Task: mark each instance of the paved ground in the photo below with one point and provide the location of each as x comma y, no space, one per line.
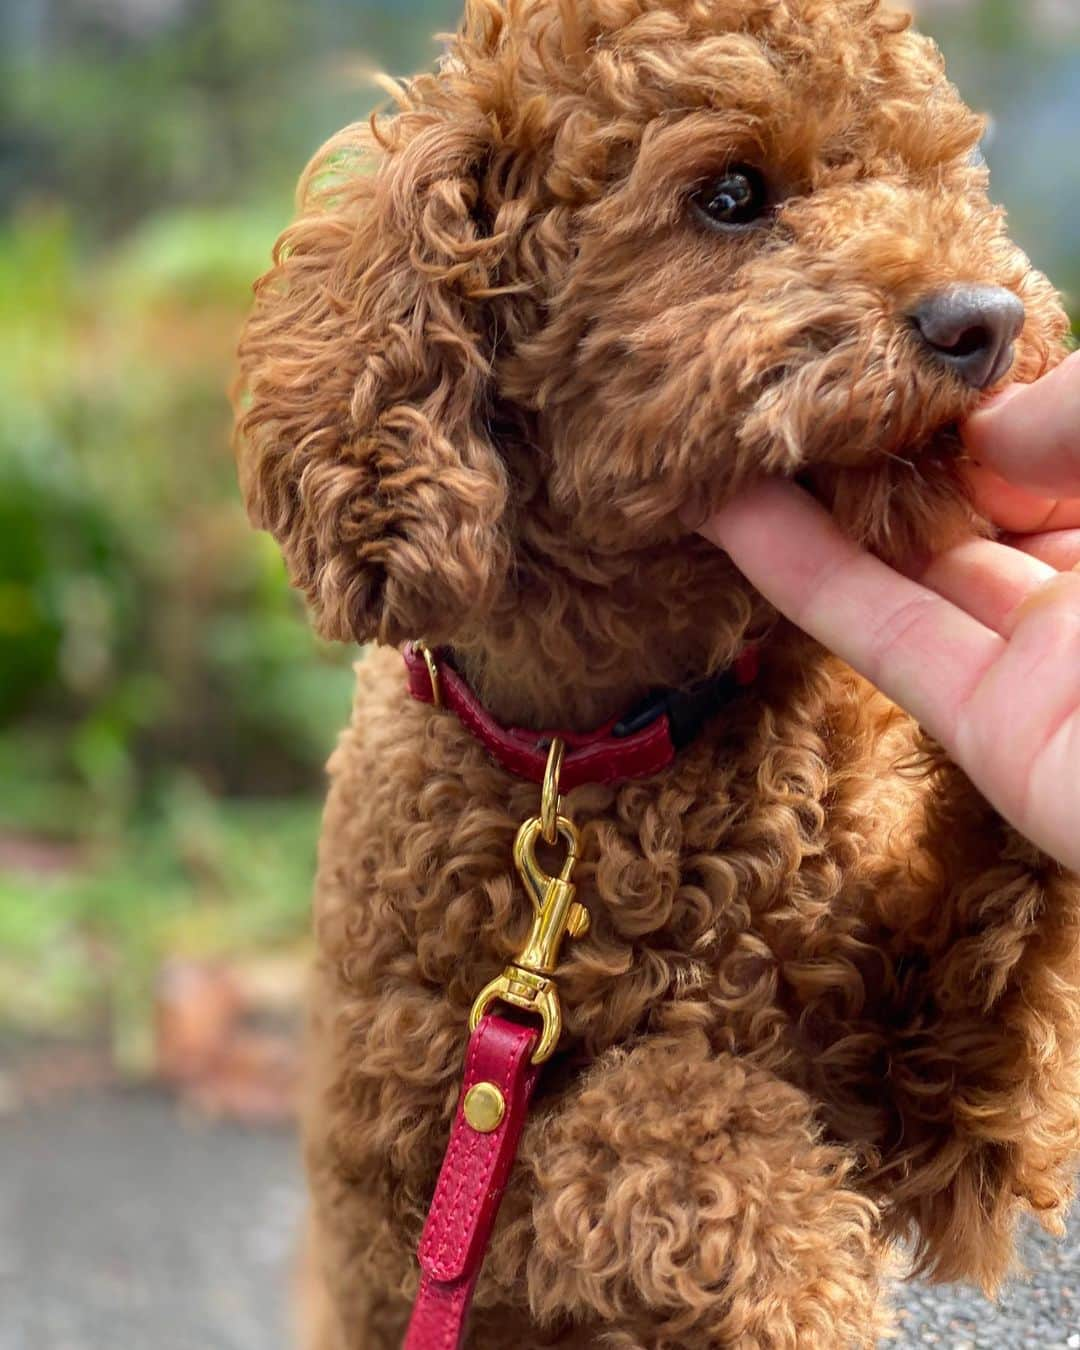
125,1227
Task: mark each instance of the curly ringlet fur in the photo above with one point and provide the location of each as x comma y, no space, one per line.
828,997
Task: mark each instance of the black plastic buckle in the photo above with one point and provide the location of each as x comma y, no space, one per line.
687,710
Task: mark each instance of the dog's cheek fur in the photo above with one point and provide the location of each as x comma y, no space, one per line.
364,380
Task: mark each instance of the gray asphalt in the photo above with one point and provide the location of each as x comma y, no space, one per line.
126,1226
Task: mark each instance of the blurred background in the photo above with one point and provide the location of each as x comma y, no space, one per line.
164,712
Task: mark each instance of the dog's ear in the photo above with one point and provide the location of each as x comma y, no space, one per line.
364,387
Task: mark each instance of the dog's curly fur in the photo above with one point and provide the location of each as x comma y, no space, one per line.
829,998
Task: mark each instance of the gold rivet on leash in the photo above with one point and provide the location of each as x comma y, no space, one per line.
550,801
485,1107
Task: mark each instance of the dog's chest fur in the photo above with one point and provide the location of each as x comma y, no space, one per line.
723,896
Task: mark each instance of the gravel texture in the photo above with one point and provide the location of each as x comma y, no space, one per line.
1040,1310
126,1226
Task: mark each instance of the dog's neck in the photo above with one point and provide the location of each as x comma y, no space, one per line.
580,636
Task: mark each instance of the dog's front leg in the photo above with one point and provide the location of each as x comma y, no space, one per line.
686,1199
968,1077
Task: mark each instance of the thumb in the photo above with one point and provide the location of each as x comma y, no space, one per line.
1030,434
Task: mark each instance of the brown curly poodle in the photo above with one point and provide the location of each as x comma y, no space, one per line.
616,256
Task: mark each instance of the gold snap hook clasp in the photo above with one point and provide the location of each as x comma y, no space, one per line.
527,982
553,897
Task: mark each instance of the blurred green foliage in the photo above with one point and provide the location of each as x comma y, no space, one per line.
143,629
125,108
153,662
164,710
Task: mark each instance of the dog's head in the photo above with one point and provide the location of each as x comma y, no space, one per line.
614,257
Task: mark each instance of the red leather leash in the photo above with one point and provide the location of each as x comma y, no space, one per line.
499,1073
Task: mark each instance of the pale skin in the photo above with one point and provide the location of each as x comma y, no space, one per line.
981,644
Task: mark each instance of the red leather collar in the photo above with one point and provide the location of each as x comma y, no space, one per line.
637,745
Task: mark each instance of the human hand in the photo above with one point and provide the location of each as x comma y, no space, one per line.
983,647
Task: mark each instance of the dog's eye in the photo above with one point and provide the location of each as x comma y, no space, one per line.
738,197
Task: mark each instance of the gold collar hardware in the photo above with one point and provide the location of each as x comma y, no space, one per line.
526,983
433,673
550,800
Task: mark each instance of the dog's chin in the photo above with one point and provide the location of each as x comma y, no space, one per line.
902,507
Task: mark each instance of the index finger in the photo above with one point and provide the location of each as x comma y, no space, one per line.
920,649
1031,434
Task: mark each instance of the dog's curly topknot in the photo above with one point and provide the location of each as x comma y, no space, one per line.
501,360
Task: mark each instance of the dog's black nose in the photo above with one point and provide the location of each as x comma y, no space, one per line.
971,329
